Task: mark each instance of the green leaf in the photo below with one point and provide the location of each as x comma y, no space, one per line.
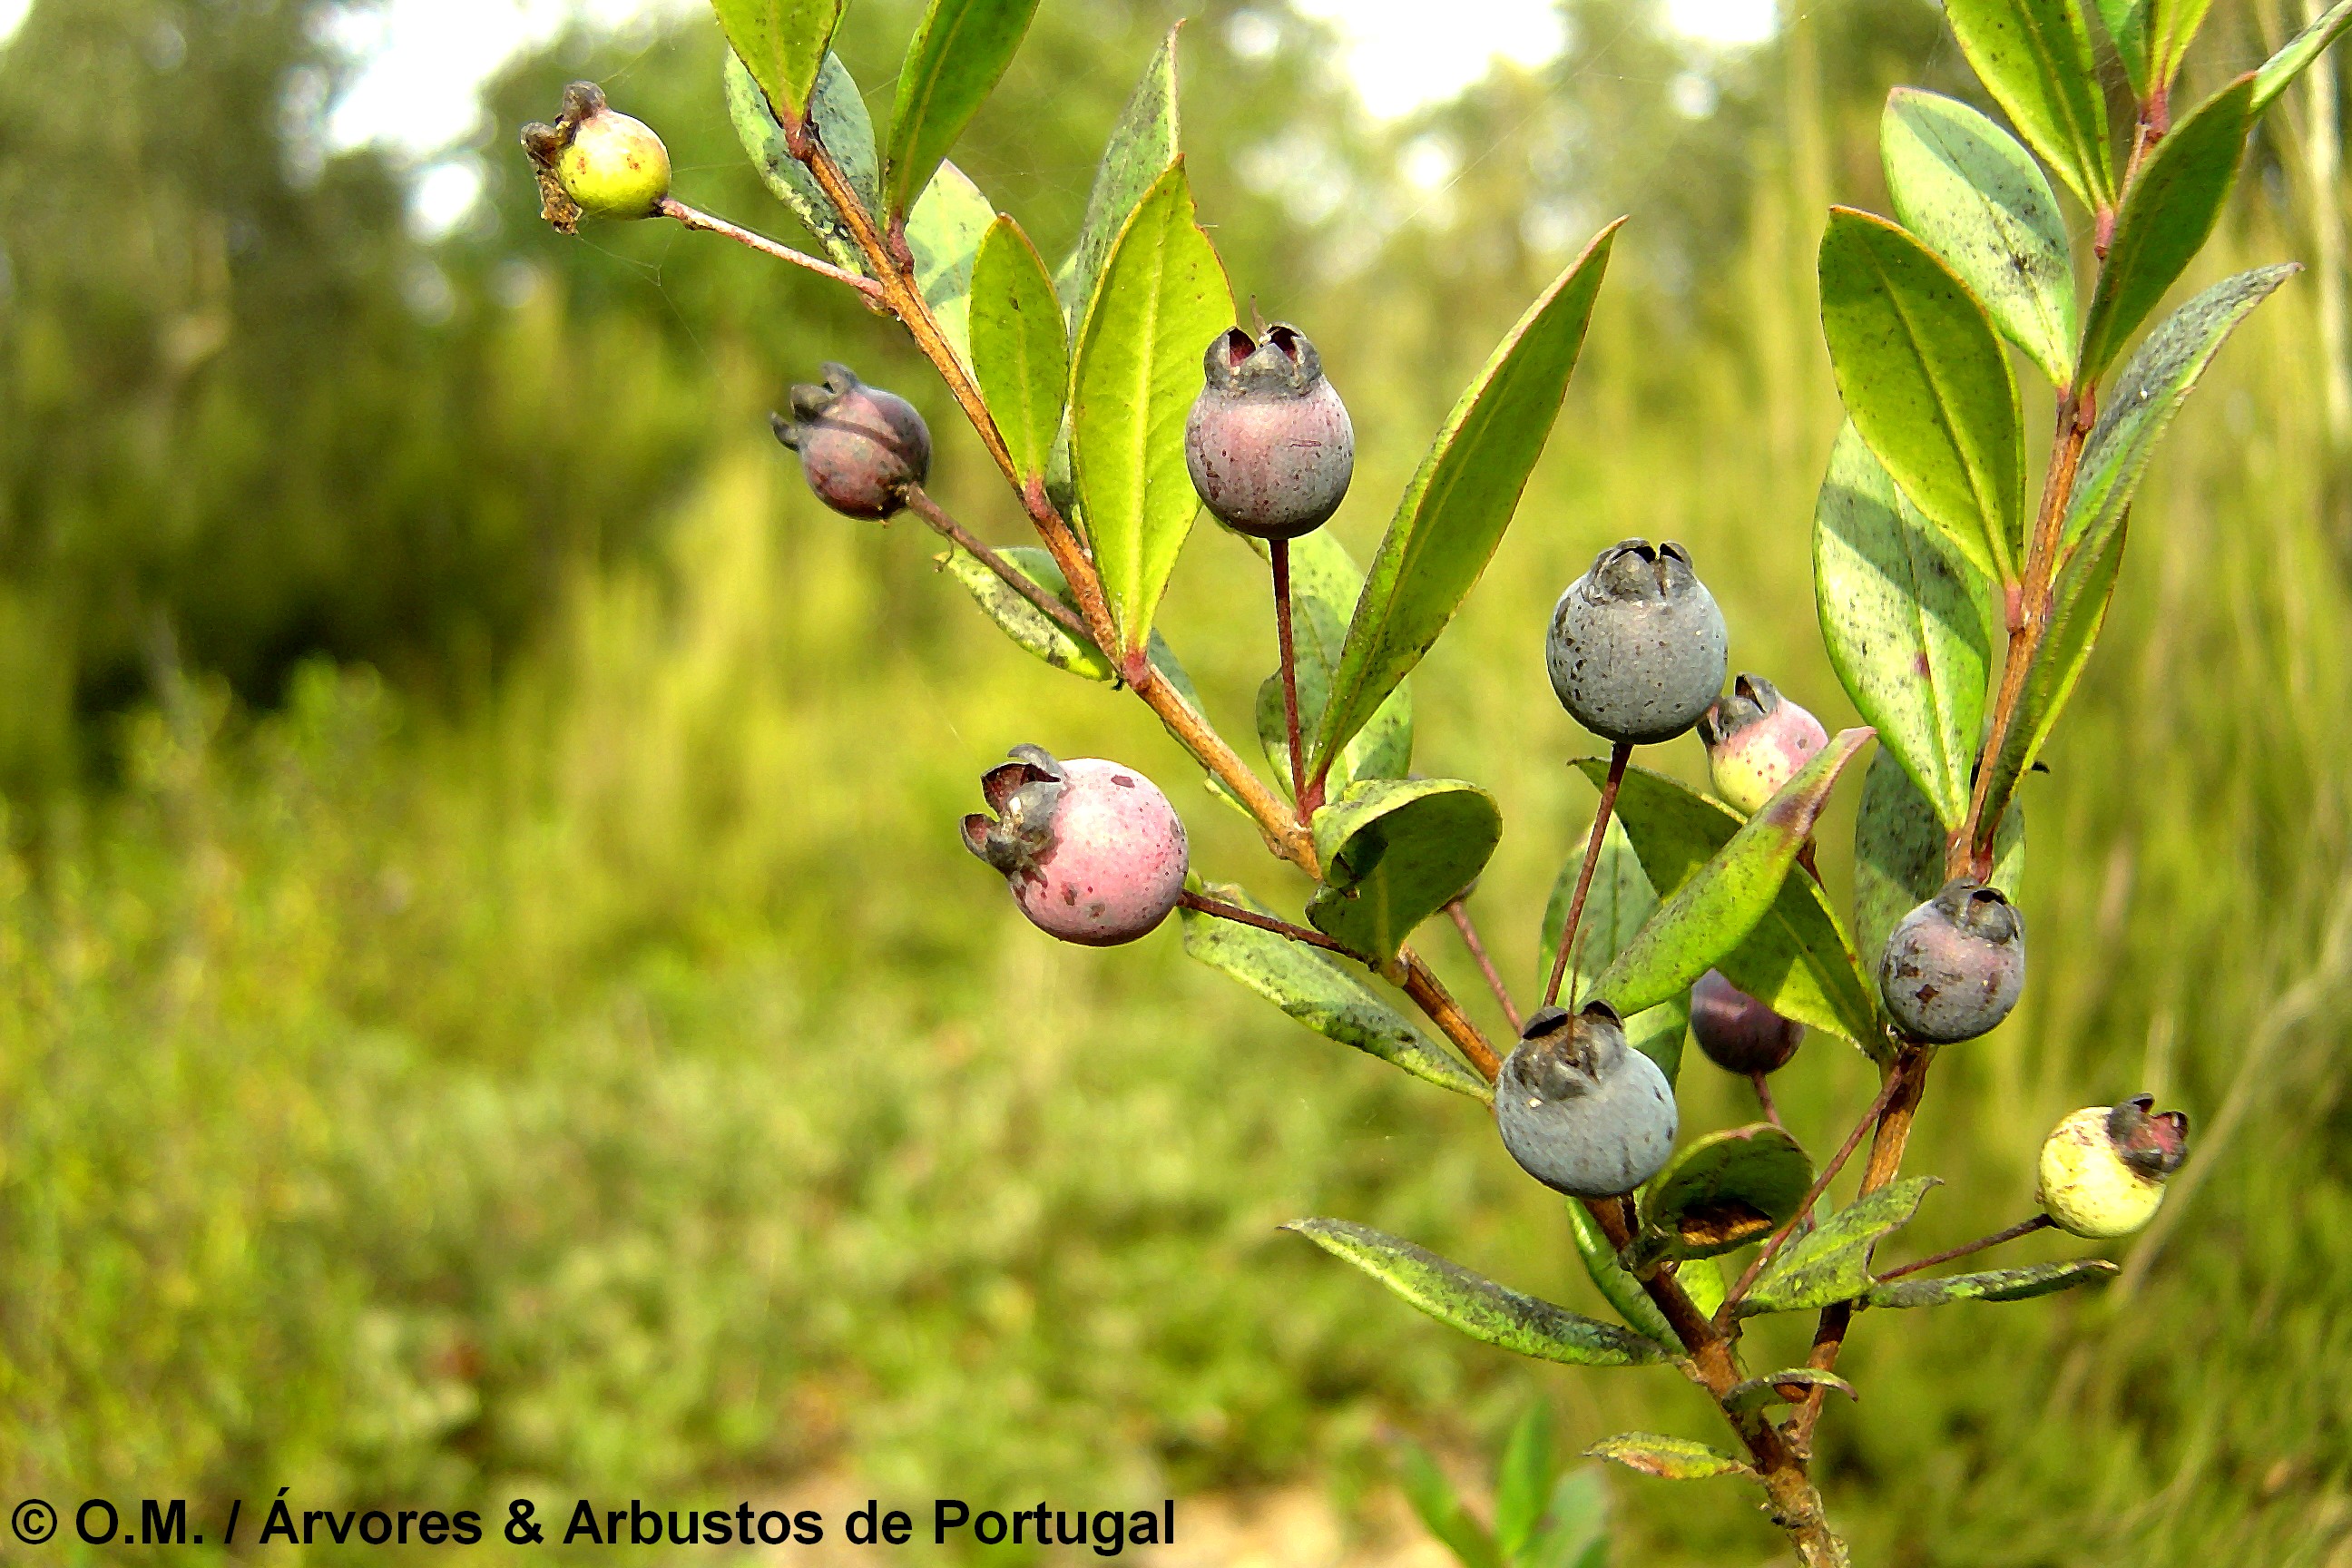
1773,1388
1831,1264
1324,583
1441,1511
2087,584
1926,382
1978,200
1898,853
1998,1285
782,44
1709,915
1669,1458
1318,993
1143,146
1523,1482
1576,1525
1023,621
959,50
1723,1191
1797,961
1163,297
944,231
2148,394
1395,851
1615,1282
1907,622
1019,355
2166,217
2034,57
2127,24
839,111
2172,26
1454,512
1619,900
1477,1307
2295,57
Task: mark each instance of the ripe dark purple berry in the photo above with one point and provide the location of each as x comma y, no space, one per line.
1092,850
595,162
860,446
1738,1033
1956,964
1637,645
1268,440
1579,1109
1756,741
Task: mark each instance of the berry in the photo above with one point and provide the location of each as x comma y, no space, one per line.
1637,645
860,446
1579,1109
2102,1169
1756,740
1268,440
1092,850
1738,1033
594,162
1955,965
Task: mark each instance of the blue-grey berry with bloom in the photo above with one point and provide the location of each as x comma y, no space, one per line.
1956,965
1579,1109
1637,647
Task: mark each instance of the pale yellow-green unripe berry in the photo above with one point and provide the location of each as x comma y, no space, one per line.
2103,1168
594,163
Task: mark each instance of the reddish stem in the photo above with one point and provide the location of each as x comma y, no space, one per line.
1278,550
1621,755
1462,924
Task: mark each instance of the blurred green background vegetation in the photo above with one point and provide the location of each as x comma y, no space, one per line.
491,1001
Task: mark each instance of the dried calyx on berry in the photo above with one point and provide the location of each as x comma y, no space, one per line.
1637,647
1756,741
859,446
1579,1109
1092,850
1738,1033
1268,442
595,161
1956,965
2102,1169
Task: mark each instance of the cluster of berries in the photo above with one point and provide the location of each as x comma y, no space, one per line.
1637,651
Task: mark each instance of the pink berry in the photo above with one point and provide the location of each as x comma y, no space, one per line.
1092,850
1756,741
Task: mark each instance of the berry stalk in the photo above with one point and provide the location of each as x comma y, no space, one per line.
1286,638
1619,756
2022,1227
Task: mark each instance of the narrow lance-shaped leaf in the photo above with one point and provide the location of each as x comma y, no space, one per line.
1797,961
2127,24
1668,1458
2166,217
1708,916
1786,1386
1898,853
1021,620
839,112
2085,586
1163,297
1019,355
1926,382
1441,1511
944,232
1470,1304
1615,1283
1143,146
1523,1482
1724,1190
2148,394
1618,902
959,50
1909,623
2295,57
782,43
2034,56
1394,852
1978,200
1454,512
1318,993
2171,26
1998,1285
1832,1263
